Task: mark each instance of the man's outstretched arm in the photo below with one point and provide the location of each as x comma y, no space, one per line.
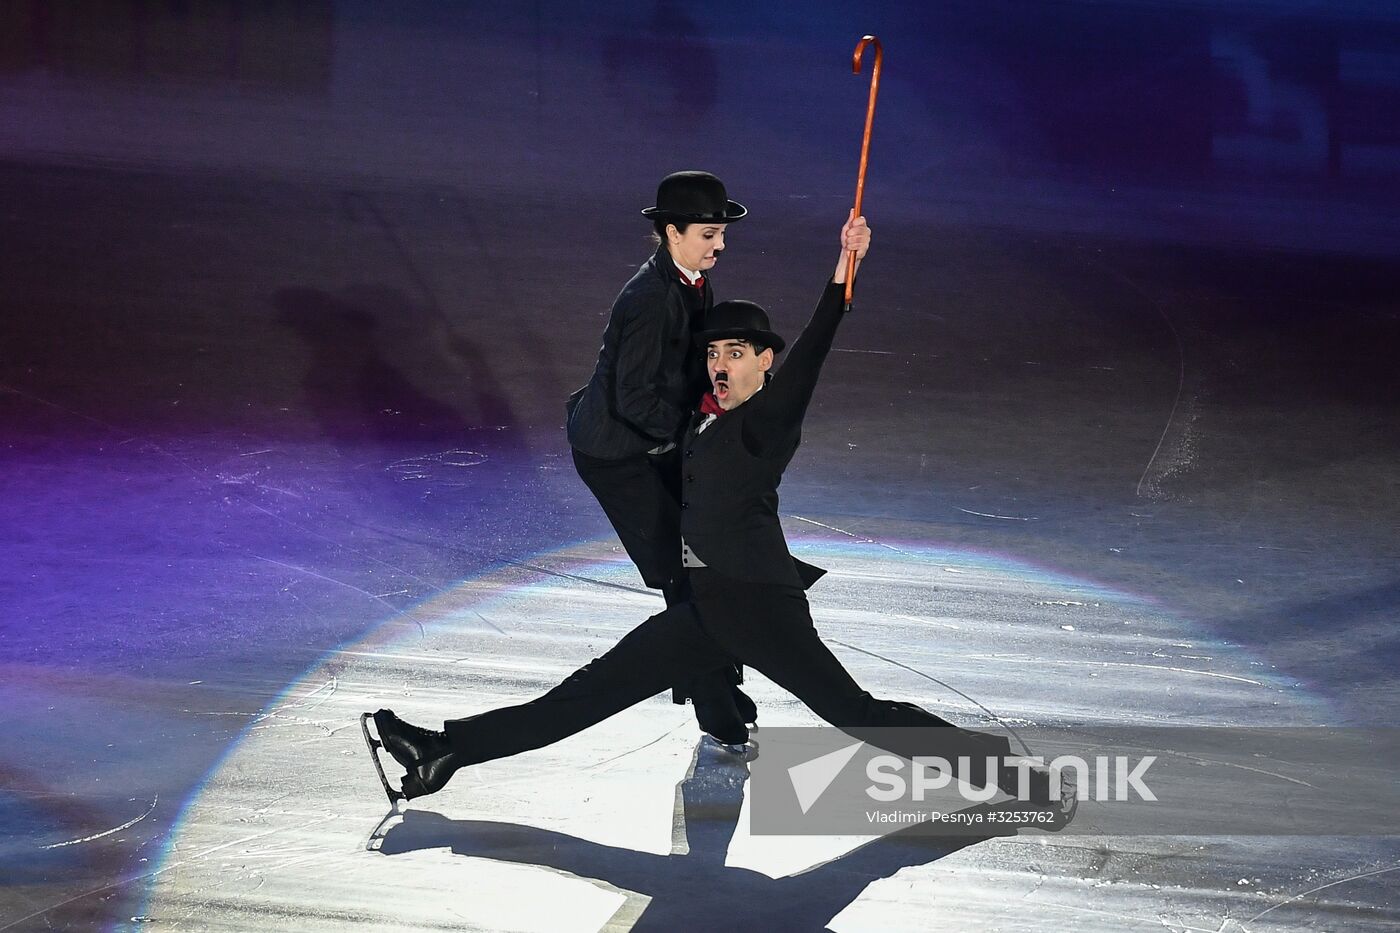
779,421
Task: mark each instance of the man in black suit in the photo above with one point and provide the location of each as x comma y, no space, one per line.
626,423
748,603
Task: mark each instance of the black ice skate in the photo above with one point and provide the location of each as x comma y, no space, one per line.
748,710
719,718
1041,794
426,755
375,745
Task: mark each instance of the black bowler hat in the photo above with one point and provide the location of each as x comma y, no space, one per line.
739,320
697,197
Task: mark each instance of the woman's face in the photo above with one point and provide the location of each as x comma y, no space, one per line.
698,248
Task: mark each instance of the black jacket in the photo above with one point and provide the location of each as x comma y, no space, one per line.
649,375
731,471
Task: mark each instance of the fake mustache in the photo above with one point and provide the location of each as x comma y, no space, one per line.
721,376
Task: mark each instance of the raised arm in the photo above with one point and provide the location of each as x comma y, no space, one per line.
778,421
855,235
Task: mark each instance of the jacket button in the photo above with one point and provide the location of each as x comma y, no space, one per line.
685,505
690,453
690,477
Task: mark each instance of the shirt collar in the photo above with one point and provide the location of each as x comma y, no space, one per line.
664,255
711,417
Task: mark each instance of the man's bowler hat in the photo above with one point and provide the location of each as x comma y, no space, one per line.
739,320
696,197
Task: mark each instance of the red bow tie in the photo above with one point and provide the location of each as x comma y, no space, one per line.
709,405
698,284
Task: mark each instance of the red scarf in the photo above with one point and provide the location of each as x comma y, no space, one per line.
709,405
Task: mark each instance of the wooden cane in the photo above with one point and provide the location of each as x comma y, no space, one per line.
864,143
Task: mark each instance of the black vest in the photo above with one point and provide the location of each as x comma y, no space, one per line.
730,473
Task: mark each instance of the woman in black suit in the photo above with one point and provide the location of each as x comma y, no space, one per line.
624,425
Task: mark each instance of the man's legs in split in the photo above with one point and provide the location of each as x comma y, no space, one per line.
770,629
641,497
666,648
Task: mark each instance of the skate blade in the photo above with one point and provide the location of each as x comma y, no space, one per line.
375,746
748,751
1062,811
1068,805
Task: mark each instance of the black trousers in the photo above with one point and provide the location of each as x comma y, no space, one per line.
641,497
767,627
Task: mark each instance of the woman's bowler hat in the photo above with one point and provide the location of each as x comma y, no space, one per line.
696,197
739,320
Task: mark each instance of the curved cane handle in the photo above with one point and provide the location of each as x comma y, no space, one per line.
865,140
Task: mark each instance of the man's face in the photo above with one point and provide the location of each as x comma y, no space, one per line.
736,372
698,248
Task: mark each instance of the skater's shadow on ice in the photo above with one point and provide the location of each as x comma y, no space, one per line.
686,888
